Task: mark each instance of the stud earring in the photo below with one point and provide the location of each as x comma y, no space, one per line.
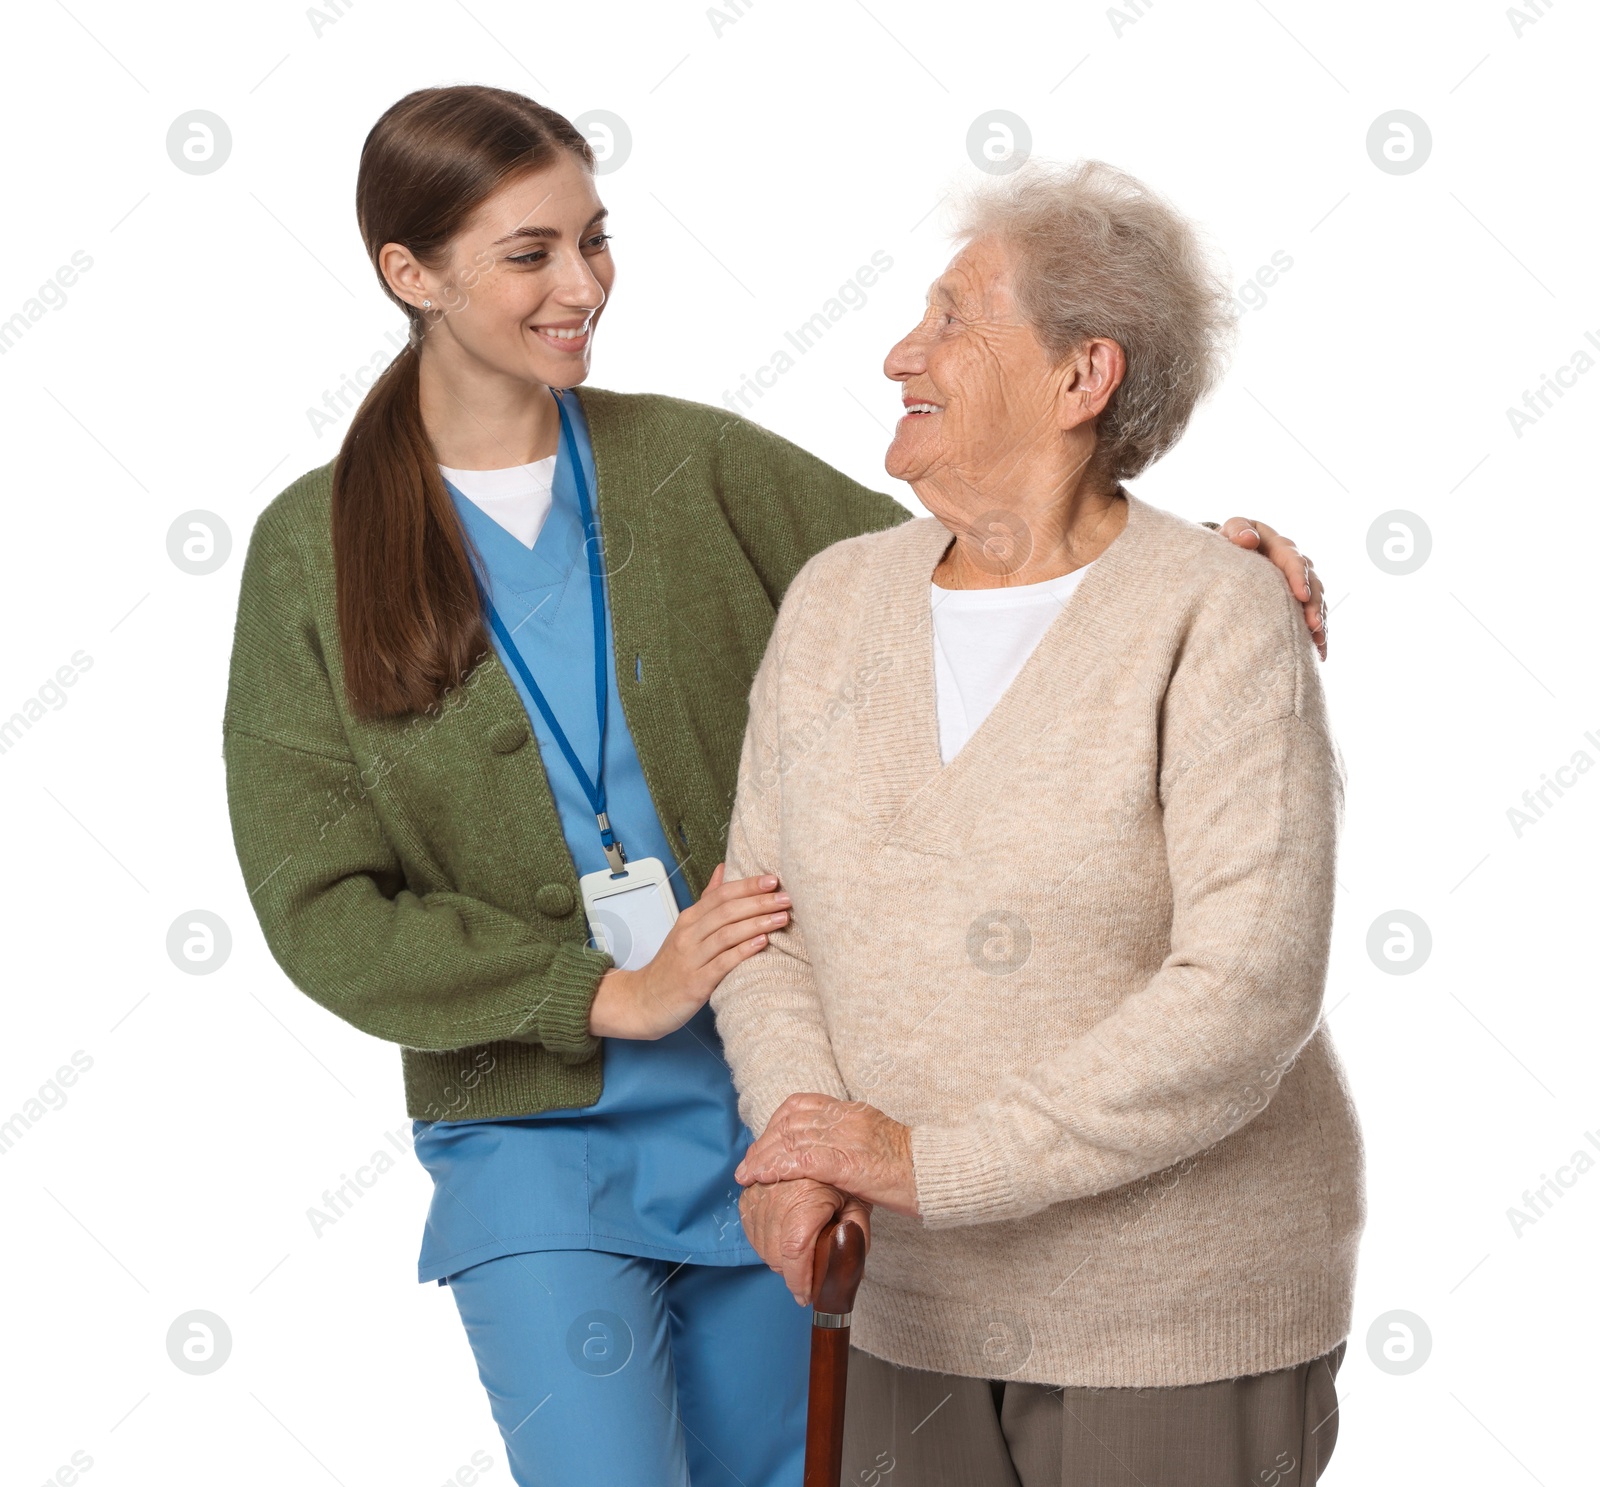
427,304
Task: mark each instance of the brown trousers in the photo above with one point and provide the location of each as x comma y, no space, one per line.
908,1428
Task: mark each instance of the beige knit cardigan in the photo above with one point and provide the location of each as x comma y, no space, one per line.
1084,961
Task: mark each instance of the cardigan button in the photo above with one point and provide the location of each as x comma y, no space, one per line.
508,737
554,899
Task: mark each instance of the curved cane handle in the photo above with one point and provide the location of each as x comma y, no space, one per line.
836,1267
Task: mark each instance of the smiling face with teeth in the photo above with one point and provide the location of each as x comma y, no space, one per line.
992,420
525,282
977,385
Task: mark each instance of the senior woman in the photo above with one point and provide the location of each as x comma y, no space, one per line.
1050,782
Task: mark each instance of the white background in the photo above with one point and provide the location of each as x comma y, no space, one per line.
772,153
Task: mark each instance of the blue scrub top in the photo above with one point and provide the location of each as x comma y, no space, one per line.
648,1169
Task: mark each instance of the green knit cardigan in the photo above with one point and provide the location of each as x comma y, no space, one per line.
410,874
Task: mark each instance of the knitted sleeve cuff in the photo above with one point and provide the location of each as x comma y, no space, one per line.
961,1177
559,1018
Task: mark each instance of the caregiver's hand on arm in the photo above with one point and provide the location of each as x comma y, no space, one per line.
782,1221
848,1144
1257,536
729,923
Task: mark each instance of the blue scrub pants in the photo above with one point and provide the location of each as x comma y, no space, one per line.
620,1371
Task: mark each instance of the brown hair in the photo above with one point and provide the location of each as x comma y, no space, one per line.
410,624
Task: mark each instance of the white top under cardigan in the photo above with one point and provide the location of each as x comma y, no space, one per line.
981,640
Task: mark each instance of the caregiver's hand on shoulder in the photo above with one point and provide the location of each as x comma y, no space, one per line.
728,924
846,1143
782,1221
1295,566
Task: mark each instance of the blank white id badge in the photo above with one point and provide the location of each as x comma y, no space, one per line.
629,913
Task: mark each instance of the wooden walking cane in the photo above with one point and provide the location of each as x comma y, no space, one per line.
835,1274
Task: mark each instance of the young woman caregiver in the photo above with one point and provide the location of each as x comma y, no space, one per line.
491,664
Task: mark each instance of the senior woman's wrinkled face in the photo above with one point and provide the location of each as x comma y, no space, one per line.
979,388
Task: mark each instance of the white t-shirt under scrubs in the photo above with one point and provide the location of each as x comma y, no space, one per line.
517,497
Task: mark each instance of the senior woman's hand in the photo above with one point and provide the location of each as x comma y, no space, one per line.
847,1144
1295,566
782,1221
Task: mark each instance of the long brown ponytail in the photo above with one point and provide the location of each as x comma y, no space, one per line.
409,622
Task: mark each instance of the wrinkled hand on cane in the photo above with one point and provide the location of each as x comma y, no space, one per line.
837,1264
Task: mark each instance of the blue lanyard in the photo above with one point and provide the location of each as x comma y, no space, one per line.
594,788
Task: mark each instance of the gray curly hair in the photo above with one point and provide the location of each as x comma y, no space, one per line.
1099,254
